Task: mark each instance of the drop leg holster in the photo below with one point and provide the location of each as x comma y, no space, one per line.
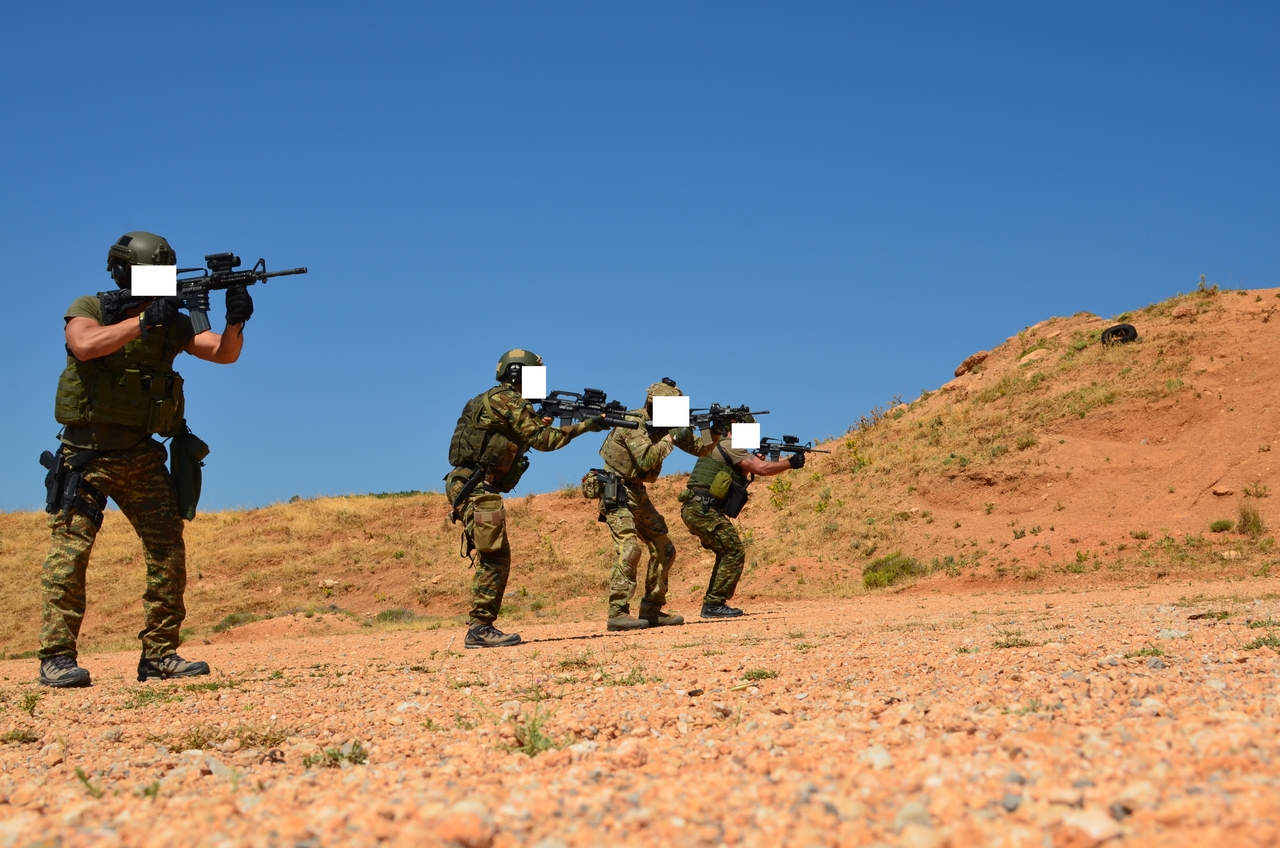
65,486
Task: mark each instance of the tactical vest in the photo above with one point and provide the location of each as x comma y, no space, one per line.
618,456
475,441
135,387
705,469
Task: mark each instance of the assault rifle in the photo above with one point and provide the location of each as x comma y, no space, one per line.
718,417
193,292
772,449
590,403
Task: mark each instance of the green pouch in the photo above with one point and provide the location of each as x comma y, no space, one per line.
720,484
685,496
591,487
186,454
512,478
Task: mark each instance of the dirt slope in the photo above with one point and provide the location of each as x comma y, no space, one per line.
1055,461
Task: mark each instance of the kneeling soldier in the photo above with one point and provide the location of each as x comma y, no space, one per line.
487,452
716,492
635,457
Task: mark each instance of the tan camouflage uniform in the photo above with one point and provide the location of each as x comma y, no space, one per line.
519,422
638,525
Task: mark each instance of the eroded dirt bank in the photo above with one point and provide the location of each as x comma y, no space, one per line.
892,718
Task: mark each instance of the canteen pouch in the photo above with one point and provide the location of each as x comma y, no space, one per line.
720,485
591,487
514,473
490,522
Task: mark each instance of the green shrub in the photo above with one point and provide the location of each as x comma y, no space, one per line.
1251,523
233,620
890,569
1222,525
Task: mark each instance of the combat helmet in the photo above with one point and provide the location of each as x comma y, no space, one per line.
510,363
137,248
666,388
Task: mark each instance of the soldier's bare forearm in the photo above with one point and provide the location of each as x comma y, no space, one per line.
87,339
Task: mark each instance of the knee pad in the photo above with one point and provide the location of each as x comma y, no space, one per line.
632,552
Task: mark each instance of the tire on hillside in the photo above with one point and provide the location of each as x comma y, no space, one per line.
1119,334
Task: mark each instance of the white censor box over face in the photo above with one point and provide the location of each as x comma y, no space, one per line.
153,280
745,436
533,382
671,412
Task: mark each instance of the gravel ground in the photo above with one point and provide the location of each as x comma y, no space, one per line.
889,719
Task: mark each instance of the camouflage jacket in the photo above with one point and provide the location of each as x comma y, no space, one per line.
513,428
637,455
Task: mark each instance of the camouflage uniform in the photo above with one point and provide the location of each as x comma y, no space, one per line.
130,471
515,419
137,480
718,535
637,458
714,530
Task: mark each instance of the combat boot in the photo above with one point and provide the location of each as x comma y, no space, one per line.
720,611
61,671
657,618
170,666
481,635
624,621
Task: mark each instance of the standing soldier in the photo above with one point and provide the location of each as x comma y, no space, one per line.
487,452
636,456
119,388
716,492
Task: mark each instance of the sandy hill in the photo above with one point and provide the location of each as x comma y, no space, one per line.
1053,459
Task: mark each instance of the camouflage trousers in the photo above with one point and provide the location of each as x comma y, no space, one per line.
635,527
718,535
492,568
138,482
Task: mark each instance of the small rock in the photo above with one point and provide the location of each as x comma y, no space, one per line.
467,823
215,767
510,710
328,584
630,754
23,795
913,812
1034,356
1184,310
1015,777
1170,634
920,836
1223,491
1229,554
230,746
1094,822
409,705
1156,662
877,756
722,709
970,361
1066,797
113,734
51,754
1011,801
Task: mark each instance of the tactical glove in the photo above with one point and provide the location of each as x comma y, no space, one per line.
796,460
595,425
239,305
160,313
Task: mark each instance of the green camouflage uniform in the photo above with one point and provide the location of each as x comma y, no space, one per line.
715,531
636,456
137,480
131,472
517,421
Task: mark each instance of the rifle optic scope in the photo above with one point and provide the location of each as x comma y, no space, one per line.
222,261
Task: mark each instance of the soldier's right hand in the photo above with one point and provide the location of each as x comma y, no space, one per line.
161,313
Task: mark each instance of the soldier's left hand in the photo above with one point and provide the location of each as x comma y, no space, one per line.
239,305
595,425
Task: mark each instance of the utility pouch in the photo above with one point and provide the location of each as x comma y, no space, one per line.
720,484
685,496
490,521
613,492
186,453
65,486
514,473
591,486
735,499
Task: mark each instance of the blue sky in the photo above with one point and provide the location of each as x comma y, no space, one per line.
807,208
